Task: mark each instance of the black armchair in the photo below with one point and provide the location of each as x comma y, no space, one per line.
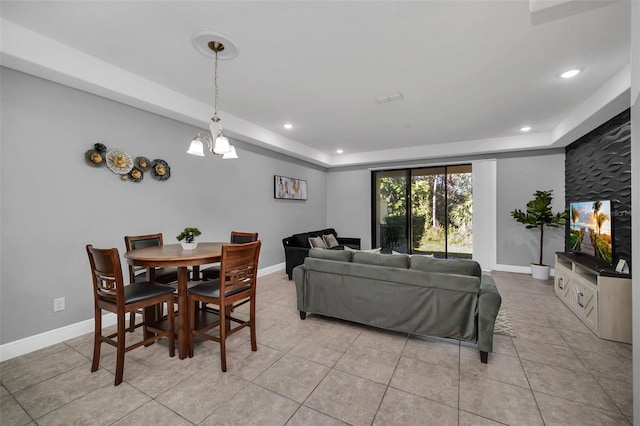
296,247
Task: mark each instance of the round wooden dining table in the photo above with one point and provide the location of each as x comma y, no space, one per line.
174,256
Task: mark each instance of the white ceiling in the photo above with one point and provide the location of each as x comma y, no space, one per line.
471,73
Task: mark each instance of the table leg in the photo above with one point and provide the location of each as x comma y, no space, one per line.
183,312
151,313
196,273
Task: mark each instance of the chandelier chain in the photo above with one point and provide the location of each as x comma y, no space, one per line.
215,86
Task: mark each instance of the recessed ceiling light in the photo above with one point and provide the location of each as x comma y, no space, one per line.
288,126
339,151
525,128
570,73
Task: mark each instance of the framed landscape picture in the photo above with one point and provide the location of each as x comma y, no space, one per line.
287,188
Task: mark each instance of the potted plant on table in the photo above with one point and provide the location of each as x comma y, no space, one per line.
538,215
189,234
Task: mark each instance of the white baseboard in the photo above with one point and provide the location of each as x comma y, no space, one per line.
518,269
52,337
271,269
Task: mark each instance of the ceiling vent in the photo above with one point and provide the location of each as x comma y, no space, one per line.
389,98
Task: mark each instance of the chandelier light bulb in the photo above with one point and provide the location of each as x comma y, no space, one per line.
222,145
196,148
231,154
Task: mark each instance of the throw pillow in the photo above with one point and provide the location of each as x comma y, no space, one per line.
381,259
317,242
330,240
373,250
339,255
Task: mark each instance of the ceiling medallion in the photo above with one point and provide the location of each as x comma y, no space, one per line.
201,41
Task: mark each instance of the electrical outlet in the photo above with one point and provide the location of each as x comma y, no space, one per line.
58,304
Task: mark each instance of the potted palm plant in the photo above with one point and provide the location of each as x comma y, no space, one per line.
189,234
540,215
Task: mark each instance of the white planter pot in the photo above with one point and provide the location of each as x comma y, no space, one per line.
540,272
189,246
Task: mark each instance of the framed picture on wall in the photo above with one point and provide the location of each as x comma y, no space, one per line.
287,188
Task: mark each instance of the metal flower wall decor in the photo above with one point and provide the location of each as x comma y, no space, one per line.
121,163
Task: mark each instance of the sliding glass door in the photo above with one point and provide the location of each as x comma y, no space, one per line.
423,211
428,213
390,210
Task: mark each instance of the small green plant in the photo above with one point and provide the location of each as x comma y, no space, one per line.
539,215
189,234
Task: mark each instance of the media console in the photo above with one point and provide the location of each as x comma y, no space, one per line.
599,296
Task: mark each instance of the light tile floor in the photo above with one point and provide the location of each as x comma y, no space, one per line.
322,371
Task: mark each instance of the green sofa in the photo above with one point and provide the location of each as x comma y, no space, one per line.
411,294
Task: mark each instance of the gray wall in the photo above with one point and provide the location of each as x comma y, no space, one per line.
349,204
53,204
518,179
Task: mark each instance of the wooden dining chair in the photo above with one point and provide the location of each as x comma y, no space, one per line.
213,272
235,286
110,294
139,273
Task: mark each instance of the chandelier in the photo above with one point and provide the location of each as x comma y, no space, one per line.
217,142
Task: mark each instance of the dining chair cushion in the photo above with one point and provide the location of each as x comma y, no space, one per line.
212,289
174,286
146,242
243,239
211,273
143,290
163,275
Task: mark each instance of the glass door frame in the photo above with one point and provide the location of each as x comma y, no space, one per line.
408,176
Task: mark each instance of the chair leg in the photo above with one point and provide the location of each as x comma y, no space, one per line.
132,321
227,311
223,338
96,341
252,323
192,326
172,338
120,350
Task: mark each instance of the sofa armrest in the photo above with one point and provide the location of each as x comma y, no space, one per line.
349,241
287,242
294,256
298,278
489,302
